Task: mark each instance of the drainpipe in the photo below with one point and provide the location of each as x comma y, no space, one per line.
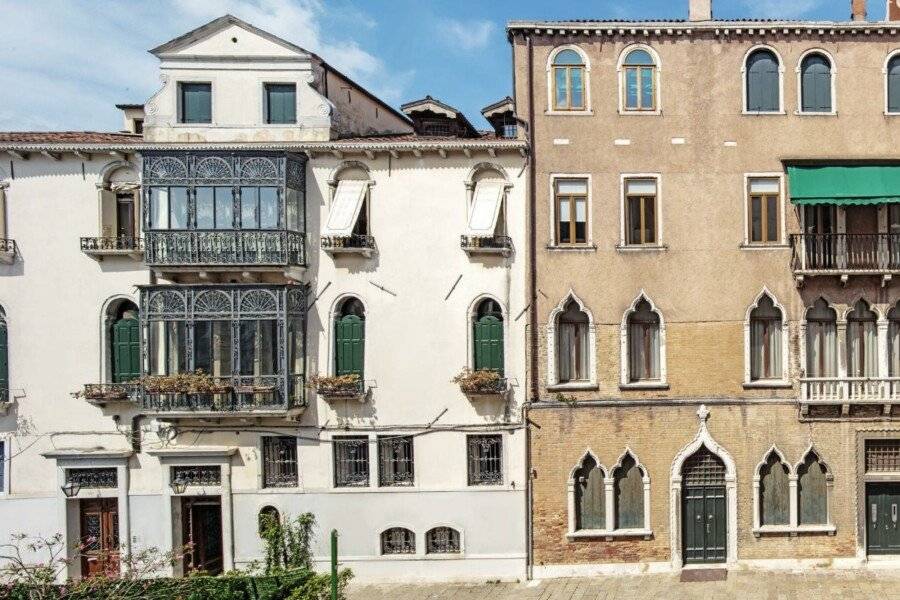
532,313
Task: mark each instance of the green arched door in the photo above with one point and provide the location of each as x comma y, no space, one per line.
489,344
349,345
126,353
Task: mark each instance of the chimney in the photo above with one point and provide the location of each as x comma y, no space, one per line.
858,10
893,10
700,10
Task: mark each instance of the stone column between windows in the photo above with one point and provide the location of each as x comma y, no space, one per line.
883,362
571,505
793,498
609,496
842,353
227,519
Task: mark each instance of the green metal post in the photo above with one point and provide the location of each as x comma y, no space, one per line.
334,563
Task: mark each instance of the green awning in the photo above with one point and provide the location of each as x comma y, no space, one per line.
864,184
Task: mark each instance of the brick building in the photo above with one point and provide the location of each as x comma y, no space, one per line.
714,359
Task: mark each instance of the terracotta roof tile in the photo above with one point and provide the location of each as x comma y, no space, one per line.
67,137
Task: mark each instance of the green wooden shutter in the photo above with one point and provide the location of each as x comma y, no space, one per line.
126,350
196,103
489,344
894,85
282,103
591,497
349,345
4,363
774,494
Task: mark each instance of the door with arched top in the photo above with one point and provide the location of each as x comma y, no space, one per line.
126,347
704,515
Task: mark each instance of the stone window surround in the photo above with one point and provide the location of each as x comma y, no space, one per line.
551,87
657,84
623,244
827,55
624,362
884,71
782,228
609,532
793,527
553,383
784,381
589,240
777,54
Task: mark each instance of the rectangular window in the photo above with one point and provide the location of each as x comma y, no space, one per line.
764,199
639,88
640,212
280,461
168,207
167,343
395,461
215,208
196,102
346,207
259,348
571,211
485,210
125,215
485,459
281,103
201,475
104,477
351,461
212,347
259,208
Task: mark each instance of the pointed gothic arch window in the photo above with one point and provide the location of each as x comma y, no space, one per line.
821,340
774,491
644,343
573,360
629,494
765,340
862,341
590,496
813,479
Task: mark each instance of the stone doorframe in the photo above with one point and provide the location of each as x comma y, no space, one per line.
863,478
703,438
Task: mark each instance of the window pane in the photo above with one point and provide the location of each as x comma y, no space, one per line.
565,216
649,220
249,208
755,219
577,187
293,212
634,220
268,208
167,343
631,88
279,461
196,102
581,220
159,208
351,461
205,207
395,461
894,85
281,102
259,351
485,459
577,77
212,347
647,88
641,186
224,208
561,87
765,186
772,219
178,208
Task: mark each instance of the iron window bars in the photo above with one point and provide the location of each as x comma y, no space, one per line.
280,461
398,540
485,459
703,469
249,239
106,478
442,540
177,312
351,461
199,475
882,456
395,461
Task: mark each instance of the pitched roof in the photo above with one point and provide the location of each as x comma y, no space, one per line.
68,137
216,25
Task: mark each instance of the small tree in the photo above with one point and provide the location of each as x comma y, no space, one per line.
287,543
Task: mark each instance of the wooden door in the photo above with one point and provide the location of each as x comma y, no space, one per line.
882,508
704,521
489,344
201,522
125,216
100,537
126,350
349,345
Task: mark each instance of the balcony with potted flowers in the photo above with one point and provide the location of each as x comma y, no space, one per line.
482,384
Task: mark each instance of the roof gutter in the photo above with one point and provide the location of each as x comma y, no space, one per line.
455,144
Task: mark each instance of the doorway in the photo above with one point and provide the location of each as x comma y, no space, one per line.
99,537
201,533
882,506
704,514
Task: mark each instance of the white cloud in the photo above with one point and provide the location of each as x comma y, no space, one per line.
468,35
779,9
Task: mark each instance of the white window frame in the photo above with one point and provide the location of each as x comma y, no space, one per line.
793,527
657,84
784,380
884,72
470,184
553,383
881,330
587,83
624,246
625,382
777,54
554,242
834,71
782,229
498,209
363,205
609,531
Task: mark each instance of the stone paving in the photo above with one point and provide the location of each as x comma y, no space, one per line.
755,585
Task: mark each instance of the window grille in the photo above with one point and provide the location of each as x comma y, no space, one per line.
200,475
2,462
279,461
703,469
883,455
485,459
351,461
93,478
398,540
442,540
395,461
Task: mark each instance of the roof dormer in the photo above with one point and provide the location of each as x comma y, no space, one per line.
434,118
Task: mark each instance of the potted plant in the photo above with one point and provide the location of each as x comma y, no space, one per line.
480,382
337,386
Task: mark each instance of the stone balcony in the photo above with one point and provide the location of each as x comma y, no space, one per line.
101,247
845,254
860,397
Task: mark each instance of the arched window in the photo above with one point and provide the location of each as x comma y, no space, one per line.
267,519
643,343
815,84
639,81
894,341
572,344
821,340
590,498
763,82
629,494
349,338
4,358
398,540
774,491
765,340
125,343
488,336
893,85
813,480
862,341
568,81
442,540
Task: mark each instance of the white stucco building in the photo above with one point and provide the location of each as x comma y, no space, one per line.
329,263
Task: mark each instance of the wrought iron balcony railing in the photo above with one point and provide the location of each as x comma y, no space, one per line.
838,253
359,244
484,387
238,394
8,251
112,245
225,248
496,244
101,393
334,391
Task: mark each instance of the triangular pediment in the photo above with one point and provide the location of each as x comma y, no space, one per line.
229,36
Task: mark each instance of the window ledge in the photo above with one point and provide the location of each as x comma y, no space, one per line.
609,535
768,384
763,113
644,385
639,113
749,246
641,248
888,113
801,113
573,248
571,387
570,113
787,529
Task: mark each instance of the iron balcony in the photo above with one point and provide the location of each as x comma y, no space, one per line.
225,248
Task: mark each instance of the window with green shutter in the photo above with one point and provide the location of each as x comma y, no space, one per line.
590,497
774,503
126,346
763,82
815,82
893,85
349,338
196,102
281,103
488,337
4,359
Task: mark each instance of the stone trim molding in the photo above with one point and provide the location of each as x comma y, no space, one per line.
552,359
784,380
624,361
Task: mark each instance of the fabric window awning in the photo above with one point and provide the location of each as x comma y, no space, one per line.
845,185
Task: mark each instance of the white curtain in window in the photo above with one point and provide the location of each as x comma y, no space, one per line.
643,343
821,349
765,349
862,346
894,348
572,352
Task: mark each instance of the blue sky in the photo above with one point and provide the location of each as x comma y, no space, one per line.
65,63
